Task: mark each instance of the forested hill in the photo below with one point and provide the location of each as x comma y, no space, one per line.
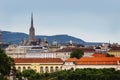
17,37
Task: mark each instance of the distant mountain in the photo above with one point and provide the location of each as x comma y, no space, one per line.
13,37
17,37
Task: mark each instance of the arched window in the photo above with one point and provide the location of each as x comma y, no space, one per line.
29,68
41,70
56,68
19,68
51,69
46,69
24,68
61,68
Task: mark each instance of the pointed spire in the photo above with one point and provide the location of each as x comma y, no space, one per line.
31,30
32,19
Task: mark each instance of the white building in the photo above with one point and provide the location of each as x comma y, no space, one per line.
92,62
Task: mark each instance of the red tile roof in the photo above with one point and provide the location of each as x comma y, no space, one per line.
38,60
96,60
99,59
71,60
99,55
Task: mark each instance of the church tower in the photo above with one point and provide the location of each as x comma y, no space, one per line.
31,31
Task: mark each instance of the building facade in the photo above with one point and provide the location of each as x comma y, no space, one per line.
92,62
115,51
40,65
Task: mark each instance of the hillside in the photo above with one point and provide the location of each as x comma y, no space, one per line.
16,37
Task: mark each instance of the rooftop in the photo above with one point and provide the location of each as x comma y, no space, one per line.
38,60
114,48
95,60
99,55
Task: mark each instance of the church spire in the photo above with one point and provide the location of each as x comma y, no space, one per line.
31,19
31,31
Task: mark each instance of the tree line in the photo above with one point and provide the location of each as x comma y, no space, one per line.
78,74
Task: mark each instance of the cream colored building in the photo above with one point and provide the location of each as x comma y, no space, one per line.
115,51
16,51
40,65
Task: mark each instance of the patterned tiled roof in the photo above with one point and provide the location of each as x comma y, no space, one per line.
38,60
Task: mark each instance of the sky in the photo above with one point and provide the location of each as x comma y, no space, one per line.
89,20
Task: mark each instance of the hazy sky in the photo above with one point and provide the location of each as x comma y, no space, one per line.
90,20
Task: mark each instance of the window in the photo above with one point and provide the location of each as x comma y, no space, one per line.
41,69
51,69
46,69
24,68
56,68
28,68
61,67
19,68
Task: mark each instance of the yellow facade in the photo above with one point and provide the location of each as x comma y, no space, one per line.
39,67
115,53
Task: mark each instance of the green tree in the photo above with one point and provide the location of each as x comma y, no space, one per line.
109,55
6,64
77,53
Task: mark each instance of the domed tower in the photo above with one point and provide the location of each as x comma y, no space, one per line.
31,31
